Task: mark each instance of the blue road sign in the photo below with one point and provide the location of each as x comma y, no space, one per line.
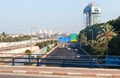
67,39
64,39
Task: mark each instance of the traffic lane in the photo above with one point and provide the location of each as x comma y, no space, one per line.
68,52
10,75
62,53
55,57
80,52
83,55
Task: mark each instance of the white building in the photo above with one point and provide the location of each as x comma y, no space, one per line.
45,33
92,12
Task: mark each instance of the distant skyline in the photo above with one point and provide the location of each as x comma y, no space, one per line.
18,16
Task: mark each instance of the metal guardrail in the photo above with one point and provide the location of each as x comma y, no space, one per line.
92,63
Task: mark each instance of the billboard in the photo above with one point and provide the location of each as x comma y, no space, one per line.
73,37
96,10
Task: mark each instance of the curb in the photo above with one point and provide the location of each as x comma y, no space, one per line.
62,73
49,51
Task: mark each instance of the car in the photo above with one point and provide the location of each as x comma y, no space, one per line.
76,49
78,55
69,48
63,46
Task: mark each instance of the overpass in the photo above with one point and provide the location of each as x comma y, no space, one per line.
66,58
62,71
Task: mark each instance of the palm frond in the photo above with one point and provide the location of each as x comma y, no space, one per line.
106,33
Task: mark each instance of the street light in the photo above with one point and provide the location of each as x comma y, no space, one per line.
92,35
31,37
86,35
14,50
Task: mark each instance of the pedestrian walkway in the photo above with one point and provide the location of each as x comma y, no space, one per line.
43,70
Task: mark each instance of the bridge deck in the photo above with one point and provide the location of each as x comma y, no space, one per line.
87,72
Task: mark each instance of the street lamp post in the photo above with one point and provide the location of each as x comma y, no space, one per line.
107,48
31,37
92,35
14,50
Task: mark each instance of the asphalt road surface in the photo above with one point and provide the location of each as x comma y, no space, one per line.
68,52
72,53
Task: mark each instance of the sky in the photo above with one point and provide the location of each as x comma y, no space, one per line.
19,16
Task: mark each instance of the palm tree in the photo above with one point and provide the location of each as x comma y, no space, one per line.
83,39
106,34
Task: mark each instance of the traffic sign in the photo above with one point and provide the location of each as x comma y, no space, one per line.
64,39
73,37
67,39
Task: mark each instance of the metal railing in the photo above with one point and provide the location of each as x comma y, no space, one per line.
78,62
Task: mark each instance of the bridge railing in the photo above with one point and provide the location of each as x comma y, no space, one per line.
92,63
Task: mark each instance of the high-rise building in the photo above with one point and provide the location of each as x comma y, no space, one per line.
92,13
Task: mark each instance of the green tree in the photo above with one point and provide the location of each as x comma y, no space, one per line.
28,52
48,48
92,30
105,35
41,44
116,24
3,34
83,39
98,48
114,46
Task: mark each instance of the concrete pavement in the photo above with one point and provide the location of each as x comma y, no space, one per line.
43,70
12,75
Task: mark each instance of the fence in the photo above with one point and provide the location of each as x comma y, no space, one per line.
92,63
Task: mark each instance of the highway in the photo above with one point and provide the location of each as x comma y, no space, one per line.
72,53
66,51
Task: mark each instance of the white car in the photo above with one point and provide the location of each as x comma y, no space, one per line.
76,49
69,49
63,46
78,55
